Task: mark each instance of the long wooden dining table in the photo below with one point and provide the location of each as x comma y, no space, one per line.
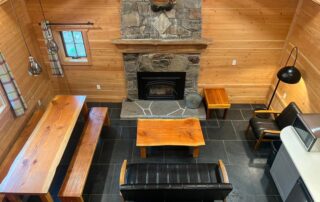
33,170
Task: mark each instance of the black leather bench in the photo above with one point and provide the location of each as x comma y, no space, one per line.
174,182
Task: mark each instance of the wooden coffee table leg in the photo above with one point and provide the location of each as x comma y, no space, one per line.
107,121
143,152
208,113
85,111
196,152
13,198
225,113
46,197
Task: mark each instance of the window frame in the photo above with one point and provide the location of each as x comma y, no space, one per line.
74,43
69,61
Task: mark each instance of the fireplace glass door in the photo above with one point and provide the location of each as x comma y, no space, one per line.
161,85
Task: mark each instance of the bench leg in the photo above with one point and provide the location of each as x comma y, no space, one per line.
46,197
143,152
196,152
13,198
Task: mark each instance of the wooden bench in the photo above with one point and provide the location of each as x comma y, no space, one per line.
74,182
32,171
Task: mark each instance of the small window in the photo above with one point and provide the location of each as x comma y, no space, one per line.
73,44
2,104
73,47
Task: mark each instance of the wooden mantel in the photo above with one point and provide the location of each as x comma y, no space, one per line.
168,46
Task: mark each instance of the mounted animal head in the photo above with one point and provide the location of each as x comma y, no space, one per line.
160,5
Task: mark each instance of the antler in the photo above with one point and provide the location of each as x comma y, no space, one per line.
156,7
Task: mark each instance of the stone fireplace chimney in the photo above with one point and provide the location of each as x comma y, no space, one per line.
183,21
162,36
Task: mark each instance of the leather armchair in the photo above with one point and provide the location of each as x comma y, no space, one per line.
266,130
174,182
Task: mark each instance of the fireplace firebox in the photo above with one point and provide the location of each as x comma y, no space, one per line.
161,85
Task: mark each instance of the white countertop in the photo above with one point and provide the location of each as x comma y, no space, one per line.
307,163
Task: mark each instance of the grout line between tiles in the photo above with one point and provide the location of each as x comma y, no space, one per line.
207,134
242,114
225,149
121,129
234,130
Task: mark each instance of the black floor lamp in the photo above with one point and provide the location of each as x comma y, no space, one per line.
287,74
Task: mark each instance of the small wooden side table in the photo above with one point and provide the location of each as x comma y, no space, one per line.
216,98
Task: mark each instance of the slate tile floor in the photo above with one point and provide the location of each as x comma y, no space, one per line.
225,139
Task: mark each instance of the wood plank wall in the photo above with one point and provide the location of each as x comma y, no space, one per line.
305,34
32,88
254,33
251,31
107,65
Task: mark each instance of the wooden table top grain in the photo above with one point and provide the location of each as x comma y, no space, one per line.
169,132
216,98
33,170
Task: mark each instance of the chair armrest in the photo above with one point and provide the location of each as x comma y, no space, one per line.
123,172
266,112
223,172
274,132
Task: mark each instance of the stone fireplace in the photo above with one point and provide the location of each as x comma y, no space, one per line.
161,53
161,63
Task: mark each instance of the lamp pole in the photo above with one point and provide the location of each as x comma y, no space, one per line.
287,74
273,94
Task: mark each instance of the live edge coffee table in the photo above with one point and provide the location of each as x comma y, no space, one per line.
169,132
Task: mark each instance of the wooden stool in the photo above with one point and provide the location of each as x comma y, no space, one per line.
216,98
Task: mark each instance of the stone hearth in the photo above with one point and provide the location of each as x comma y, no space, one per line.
160,109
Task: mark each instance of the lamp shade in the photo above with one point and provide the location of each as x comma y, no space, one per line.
289,74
